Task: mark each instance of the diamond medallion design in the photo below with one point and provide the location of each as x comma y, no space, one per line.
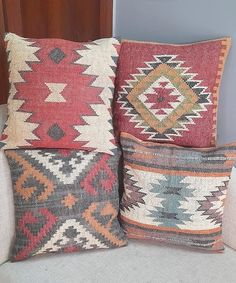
164,98
55,132
161,98
57,55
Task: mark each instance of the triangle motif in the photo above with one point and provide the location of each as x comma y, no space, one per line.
59,240
55,92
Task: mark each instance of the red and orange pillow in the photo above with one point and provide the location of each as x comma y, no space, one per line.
169,93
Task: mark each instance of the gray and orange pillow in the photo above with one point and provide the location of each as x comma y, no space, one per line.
65,201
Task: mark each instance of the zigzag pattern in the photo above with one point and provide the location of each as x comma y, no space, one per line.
93,57
133,195
18,67
213,205
61,94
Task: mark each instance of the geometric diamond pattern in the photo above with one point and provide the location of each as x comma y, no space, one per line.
57,55
157,104
169,93
173,192
161,98
55,132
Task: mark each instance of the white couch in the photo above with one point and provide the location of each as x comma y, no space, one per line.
138,262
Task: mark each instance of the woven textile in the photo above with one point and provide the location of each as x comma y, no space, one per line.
65,201
60,94
169,93
174,194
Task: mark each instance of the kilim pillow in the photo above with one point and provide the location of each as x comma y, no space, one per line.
169,93
60,93
174,194
65,201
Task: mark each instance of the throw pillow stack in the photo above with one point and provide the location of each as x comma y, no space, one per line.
63,155
167,98
60,145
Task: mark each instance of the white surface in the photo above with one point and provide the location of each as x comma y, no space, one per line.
6,199
138,262
229,218
6,209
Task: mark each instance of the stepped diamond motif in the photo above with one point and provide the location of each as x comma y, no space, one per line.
164,98
161,98
57,55
173,191
55,132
